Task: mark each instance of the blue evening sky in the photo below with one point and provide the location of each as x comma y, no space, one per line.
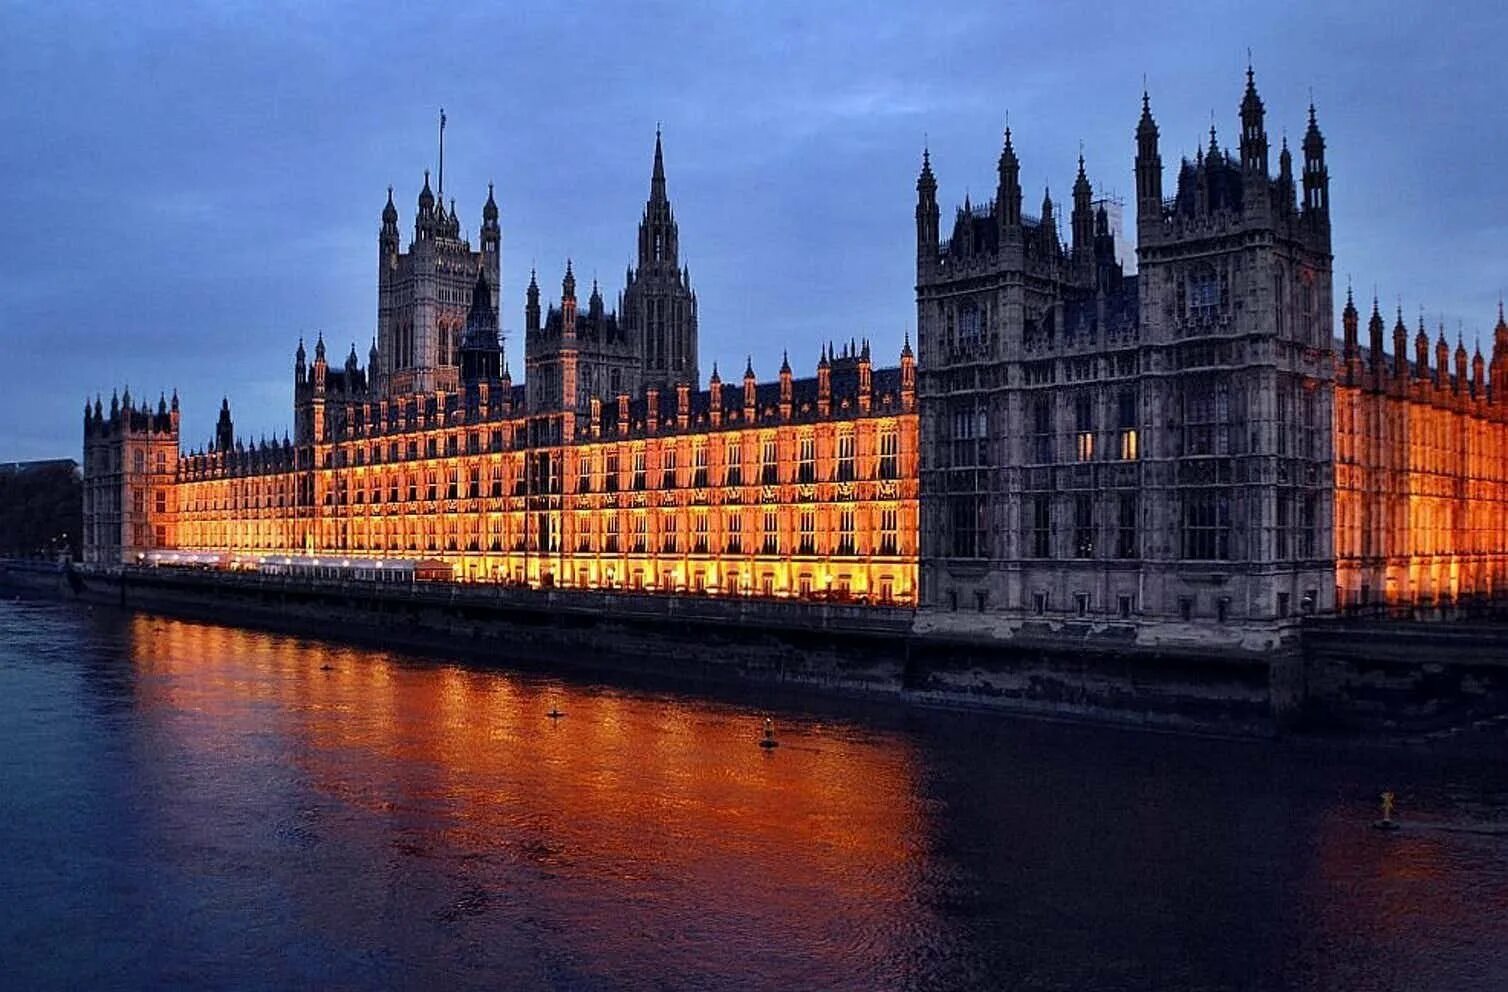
188,188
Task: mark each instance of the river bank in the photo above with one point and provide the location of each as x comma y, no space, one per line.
1346,679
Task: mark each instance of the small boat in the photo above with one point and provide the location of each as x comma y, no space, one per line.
554,714
768,740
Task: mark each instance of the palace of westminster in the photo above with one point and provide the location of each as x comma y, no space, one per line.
1187,453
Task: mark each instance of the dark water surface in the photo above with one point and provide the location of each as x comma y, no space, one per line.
194,806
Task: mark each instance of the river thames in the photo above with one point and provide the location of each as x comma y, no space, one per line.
196,806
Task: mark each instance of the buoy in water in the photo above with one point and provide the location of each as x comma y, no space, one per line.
1387,822
554,714
768,740
327,668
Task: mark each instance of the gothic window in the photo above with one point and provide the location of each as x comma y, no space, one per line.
1206,526
1125,538
735,530
887,531
1083,526
769,466
771,533
1206,417
699,466
667,468
845,456
1204,293
969,329
611,472
639,470
584,472
966,520
1128,436
733,464
845,532
889,445
671,541
641,532
1041,421
701,534
1038,513
806,469
808,532
1083,424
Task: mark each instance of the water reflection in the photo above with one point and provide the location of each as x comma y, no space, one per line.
205,806
633,828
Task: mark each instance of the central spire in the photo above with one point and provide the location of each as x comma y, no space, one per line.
657,179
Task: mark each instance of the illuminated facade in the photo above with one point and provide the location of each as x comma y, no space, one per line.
608,468
1421,468
1183,453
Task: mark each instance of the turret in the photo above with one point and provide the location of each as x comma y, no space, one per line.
388,238
682,405
1316,178
531,306
1374,339
1421,351
715,396
824,384
1460,383
787,391
926,212
1285,180
1148,167
320,368
866,379
908,376
1049,225
225,432
299,367
568,304
1008,193
1253,131
1478,366
1348,321
751,392
424,221
1082,219
492,232
1442,360
1400,347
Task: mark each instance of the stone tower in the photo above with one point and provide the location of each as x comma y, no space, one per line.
659,307
424,293
1145,453
130,459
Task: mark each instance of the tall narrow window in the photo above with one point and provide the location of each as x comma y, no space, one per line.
769,467
1083,437
845,456
889,449
771,533
733,473
1125,536
1083,526
808,532
887,531
1127,434
845,532
806,469
1039,520
1041,430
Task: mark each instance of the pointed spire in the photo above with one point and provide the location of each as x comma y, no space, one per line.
785,363
657,178
906,345
749,366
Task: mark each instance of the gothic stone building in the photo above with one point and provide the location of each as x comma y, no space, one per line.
1147,452
609,467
